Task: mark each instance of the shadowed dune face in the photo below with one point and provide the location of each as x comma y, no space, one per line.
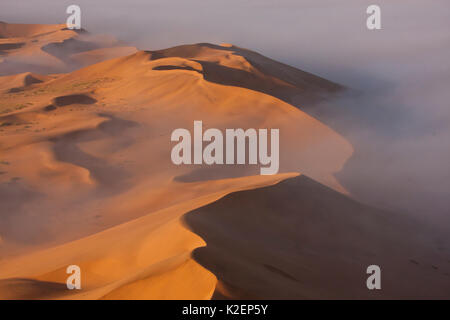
25,289
162,68
73,99
318,246
63,50
5,47
30,79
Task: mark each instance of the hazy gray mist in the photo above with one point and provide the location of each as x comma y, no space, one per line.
399,120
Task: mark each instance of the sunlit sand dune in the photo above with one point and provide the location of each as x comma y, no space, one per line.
146,258
86,176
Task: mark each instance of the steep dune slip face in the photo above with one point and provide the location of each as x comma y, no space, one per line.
301,240
86,178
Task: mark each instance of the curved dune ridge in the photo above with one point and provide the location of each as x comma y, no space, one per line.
86,177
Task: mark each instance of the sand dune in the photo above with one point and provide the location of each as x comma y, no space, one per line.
146,258
230,65
86,176
53,48
22,81
318,246
8,30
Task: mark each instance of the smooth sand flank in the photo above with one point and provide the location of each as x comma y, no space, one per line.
86,176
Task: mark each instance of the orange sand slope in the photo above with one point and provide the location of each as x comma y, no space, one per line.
86,176
147,258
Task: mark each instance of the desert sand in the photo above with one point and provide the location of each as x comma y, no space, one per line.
86,179
53,48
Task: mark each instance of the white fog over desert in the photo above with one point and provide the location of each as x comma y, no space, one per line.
353,124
